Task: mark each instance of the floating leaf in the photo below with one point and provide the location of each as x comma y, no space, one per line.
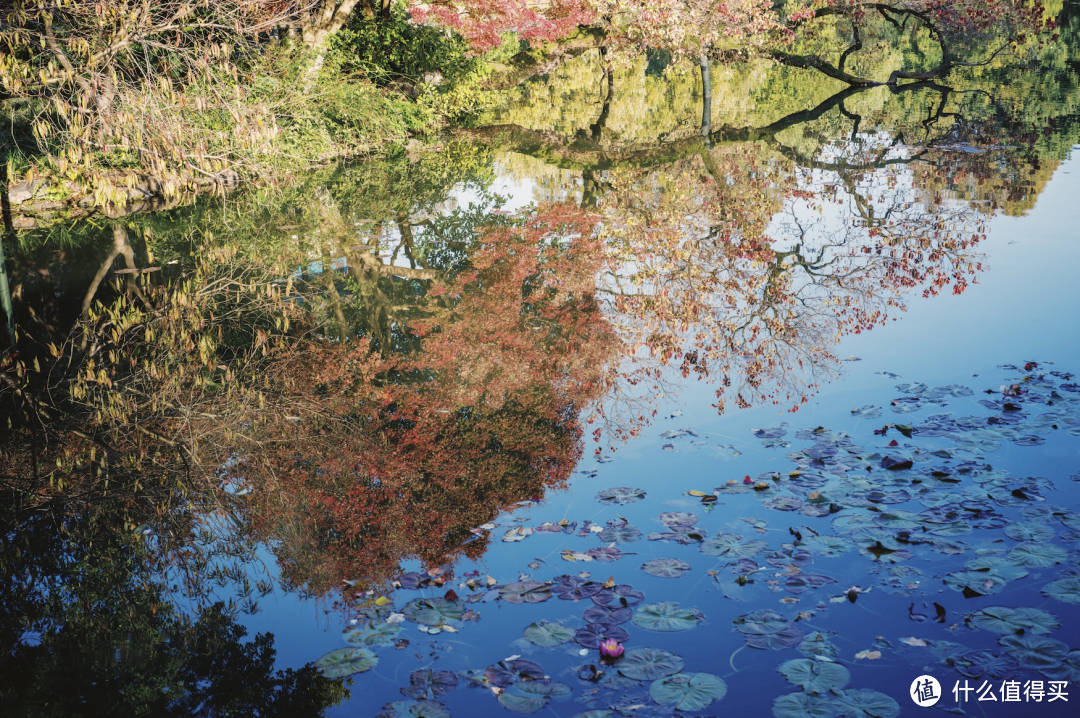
531,696
980,583
605,553
620,595
790,637
620,534
346,661
649,664
372,634
548,634
505,673
610,616
1029,531
1066,590
526,592
1004,620
592,635
417,709
806,581
433,684
1040,555
980,664
827,545
620,495
688,691
666,617
1069,670
802,705
731,546
783,503
760,622
815,676
665,567
434,611
575,588
1036,652
865,703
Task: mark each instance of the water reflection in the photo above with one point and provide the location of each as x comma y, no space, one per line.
353,371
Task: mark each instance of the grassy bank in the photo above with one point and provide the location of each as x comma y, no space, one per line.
267,109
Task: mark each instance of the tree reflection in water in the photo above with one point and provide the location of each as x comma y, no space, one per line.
359,375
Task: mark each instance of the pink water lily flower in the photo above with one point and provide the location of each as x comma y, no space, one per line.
610,648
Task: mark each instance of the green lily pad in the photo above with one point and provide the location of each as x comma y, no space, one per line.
1039,555
827,545
418,709
1069,670
1066,590
665,567
372,634
731,546
620,495
864,703
983,583
997,565
666,617
531,696
1029,531
688,691
649,664
1004,620
526,592
434,611
802,705
548,634
346,661
760,622
1036,652
816,645
815,676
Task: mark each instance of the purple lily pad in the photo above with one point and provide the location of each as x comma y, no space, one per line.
665,567
433,684
594,633
505,673
608,616
621,596
605,553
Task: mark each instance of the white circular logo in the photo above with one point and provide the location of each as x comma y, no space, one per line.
925,691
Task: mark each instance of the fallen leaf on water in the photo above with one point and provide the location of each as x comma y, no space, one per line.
610,583
911,641
382,601
868,655
697,493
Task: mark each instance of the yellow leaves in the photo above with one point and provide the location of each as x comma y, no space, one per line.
382,601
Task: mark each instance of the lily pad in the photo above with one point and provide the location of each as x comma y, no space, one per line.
1004,620
430,684
526,592
575,588
505,673
1036,652
980,583
1029,531
783,503
619,596
620,534
417,709
1039,555
372,633
731,546
802,705
688,691
815,676
865,703
984,664
1066,590
827,545
760,622
666,617
593,634
531,696
346,661
649,664
790,637
548,634
806,581
620,495
1069,670
610,616
665,567
434,611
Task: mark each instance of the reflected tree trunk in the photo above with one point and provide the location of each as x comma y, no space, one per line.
706,95
5,299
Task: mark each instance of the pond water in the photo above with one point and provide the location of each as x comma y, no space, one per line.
788,411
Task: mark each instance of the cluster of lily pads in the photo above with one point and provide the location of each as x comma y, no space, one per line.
924,488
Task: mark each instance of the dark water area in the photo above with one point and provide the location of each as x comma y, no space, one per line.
784,416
